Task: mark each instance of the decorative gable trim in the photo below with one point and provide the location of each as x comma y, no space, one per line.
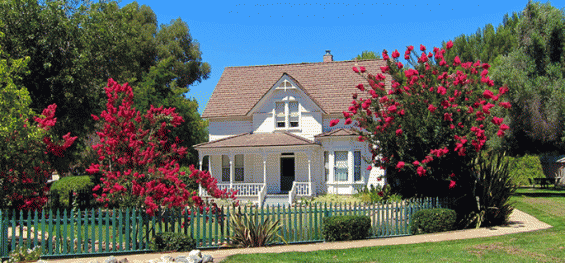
285,82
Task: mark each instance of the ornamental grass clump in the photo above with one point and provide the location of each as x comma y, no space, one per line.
249,231
430,124
494,189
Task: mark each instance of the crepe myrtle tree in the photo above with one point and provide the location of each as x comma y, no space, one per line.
428,128
137,163
28,152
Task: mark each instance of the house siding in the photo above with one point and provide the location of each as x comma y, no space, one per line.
219,129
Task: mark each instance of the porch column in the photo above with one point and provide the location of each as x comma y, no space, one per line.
350,170
309,174
331,162
200,161
231,170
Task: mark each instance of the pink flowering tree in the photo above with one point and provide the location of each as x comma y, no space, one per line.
432,123
27,155
137,163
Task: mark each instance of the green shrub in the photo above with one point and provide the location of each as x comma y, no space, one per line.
169,241
350,227
71,183
524,168
378,195
433,220
21,254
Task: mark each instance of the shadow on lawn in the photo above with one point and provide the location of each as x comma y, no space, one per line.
540,192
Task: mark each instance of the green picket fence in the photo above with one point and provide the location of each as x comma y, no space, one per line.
121,231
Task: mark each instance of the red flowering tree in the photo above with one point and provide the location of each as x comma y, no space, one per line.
137,162
432,123
27,155
26,151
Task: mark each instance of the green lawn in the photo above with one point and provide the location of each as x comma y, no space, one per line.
539,246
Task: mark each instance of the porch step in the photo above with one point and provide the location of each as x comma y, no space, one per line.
275,199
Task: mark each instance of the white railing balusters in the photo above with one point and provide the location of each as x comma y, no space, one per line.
243,189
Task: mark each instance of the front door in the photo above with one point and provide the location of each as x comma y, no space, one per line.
287,173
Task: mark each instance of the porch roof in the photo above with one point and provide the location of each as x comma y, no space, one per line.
257,140
337,132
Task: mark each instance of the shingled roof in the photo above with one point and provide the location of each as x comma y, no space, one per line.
330,84
257,139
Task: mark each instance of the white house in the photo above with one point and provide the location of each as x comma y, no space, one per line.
269,130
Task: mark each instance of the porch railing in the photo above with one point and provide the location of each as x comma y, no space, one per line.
299,189
243,189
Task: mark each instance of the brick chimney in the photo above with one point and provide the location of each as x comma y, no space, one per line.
328,57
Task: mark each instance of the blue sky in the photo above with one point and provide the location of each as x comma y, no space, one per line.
245,33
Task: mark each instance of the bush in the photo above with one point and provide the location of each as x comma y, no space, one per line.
524,168
248,231
378,195
71,183
169,241
433,220
350,227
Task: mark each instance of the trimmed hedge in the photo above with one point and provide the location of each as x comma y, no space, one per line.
350,227
71,183
433,220
524,168
169,241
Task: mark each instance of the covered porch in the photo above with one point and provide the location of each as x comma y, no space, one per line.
262,164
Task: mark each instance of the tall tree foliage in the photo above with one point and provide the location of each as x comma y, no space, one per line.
367,55
76,46
487,43
535,72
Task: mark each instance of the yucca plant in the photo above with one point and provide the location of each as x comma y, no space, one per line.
248,231
494,188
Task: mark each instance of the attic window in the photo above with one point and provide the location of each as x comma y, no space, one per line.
287,114
293,116
280,115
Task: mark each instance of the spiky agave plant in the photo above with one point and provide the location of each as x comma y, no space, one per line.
249,231
494,189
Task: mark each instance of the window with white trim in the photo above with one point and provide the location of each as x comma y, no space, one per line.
287,114
357,165
238,168
341,168
225,168
293,116
280,115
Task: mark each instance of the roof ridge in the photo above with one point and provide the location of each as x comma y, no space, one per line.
303,63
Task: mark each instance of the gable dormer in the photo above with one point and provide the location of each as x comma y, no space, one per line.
286,106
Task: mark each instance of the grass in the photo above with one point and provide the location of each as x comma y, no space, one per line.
539,246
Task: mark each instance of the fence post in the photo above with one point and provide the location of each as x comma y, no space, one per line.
4,236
